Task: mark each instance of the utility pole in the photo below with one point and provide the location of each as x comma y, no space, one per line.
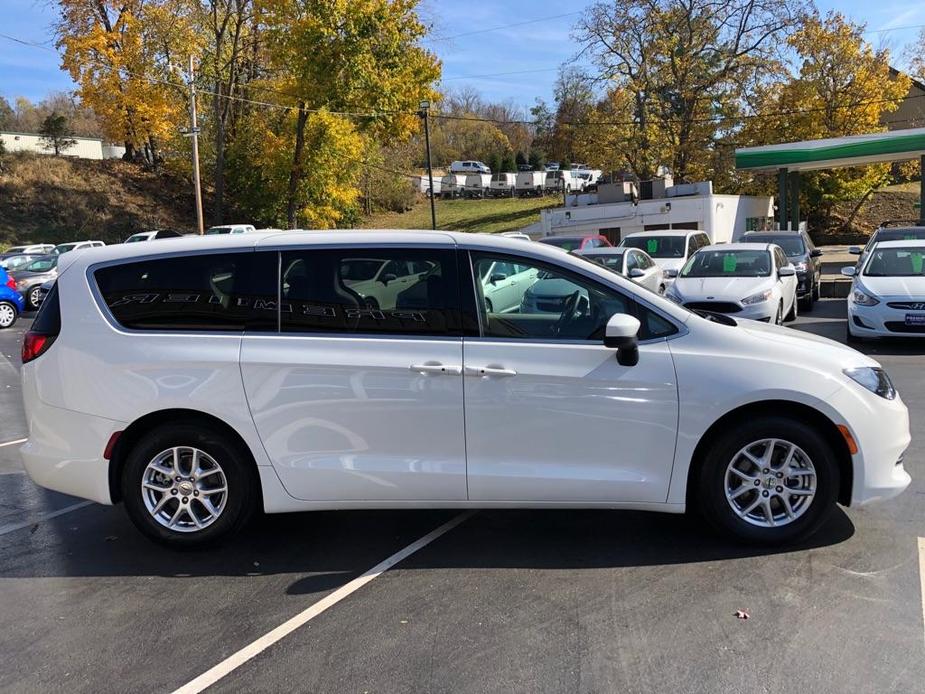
425,107
194,133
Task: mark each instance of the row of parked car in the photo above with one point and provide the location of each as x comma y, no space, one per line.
522,184
765,276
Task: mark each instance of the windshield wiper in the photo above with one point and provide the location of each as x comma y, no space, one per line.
715,317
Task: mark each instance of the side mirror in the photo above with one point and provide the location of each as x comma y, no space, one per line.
670,274
854,250
849,271
494,279
385,279
786,271
636,273
815,253
621,334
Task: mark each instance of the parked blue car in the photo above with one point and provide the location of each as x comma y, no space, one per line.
11,301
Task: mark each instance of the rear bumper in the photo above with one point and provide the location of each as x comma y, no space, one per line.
65,448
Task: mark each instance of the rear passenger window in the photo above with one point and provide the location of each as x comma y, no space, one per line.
372,291
214,291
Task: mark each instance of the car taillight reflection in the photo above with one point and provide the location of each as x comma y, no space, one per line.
35,345
11,282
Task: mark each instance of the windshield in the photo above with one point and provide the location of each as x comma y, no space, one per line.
41,265
658,246
136,238
728,263
612,261
218,230
791,243
895,262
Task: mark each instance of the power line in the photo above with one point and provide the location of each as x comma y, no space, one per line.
501,74
505,26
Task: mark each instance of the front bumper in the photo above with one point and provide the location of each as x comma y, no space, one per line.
882,320
881,429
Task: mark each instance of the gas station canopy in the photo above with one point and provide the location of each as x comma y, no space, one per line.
790,158
854,150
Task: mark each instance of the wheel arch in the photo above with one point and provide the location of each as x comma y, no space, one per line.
134,431
777,408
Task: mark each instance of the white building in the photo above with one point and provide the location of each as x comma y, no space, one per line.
689,206
86,147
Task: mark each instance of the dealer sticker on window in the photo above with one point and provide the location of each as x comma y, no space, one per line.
915,319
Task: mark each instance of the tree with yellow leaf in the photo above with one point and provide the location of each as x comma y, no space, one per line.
120,55
843,87
358,56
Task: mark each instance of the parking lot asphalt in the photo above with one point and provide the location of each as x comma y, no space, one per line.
540,601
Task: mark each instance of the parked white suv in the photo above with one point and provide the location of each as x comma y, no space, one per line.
202,380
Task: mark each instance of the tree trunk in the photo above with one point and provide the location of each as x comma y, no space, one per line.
295,174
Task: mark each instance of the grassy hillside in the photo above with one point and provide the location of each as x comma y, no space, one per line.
55,199
491,215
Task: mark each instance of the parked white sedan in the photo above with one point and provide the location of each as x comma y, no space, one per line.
888,294
629,262
746,280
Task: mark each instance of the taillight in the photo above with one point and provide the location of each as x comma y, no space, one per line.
35,345
10,282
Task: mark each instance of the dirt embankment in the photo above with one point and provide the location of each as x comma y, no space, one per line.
55,199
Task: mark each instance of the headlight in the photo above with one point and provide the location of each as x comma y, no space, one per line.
874,379
757,298
859,297
799,267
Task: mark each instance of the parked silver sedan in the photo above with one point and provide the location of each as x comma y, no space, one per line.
633,263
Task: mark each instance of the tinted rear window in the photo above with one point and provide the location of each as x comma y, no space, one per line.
48,319
215,291
369,290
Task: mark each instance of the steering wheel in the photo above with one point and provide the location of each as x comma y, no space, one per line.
569,311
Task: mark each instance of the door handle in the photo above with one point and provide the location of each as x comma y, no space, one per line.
437,369
484,371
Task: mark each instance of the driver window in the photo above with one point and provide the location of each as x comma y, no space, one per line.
553,304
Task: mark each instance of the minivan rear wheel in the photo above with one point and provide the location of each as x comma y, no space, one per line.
771,480
186,485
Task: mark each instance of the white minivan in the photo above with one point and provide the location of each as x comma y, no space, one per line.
203,380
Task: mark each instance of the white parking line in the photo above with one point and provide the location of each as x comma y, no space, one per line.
210,677
13,527
13,443
922,575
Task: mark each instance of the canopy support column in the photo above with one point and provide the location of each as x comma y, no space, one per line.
922,188
794,200
782,198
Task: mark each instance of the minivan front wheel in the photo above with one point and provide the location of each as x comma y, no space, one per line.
186,486
770,480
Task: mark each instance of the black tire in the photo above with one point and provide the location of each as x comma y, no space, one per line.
779,316
710,483
237,465
794,312
32,298
815,292
806,303
9,307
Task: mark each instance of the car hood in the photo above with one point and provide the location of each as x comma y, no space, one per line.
910,287
670,263
721,288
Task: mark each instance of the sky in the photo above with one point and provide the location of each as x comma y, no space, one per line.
473,38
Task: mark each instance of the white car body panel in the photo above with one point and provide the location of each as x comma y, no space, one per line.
345,422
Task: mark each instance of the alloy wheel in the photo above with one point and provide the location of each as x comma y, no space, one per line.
770,483
35,297
7,315
184,489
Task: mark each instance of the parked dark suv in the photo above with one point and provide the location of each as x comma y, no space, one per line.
803,254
